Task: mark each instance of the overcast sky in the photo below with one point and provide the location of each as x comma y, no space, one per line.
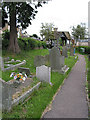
62,13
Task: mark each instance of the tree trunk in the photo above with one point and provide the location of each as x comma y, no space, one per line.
13,43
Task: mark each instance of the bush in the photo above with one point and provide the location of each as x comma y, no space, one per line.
44,44
87,49
29,43
5,39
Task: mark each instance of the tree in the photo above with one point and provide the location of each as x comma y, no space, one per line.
47,31
79,32
20,14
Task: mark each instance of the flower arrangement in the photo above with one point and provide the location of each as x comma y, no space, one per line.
19,76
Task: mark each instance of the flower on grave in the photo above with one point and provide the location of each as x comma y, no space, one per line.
19,76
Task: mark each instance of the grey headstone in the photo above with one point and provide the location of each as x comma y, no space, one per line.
1,63
43,73
6,59
71,51
55,59
39,60
6,95
47,58
62,61
26,70
64,51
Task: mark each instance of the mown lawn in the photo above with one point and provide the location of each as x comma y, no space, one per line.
25,55
88,75
39,100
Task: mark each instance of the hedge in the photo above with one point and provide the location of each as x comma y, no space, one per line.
87,49
24,43
29,43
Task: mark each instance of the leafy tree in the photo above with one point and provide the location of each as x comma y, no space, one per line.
47,31
35,35
20,14
79,32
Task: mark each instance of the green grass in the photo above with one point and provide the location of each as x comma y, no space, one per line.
25,55
88,75
39,100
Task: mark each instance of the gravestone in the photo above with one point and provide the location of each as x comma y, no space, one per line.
62,61
64,51
39,60
26,70
1,63
6,59
6,95
55,59
43,73
46,58
71,51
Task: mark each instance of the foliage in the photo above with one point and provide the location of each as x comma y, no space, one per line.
46,31
23,18
35,35
88,75
29,43
5,39
79,32
14,10
87,49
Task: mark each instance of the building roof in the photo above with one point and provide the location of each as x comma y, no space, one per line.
65,34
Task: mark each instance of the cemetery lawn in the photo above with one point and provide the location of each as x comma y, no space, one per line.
88,75
40,99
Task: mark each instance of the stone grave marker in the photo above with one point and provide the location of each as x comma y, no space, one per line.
6,95
64,51
26,70
1,63
39,60
71,51
43,73
62,61
55,59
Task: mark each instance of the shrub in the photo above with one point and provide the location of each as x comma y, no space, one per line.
5,39
87,49
44,44
29,43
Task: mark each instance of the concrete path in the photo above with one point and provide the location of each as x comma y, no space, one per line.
70,102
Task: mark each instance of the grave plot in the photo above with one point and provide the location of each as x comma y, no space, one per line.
20,87
57,60
11,64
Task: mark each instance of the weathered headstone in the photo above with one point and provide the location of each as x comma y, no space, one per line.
55,59
64,51
46,58
6,95
6,59
1,63
43,73
62,61
13,67
26,70
71,51
39,60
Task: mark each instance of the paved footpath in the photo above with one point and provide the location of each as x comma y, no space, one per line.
70,102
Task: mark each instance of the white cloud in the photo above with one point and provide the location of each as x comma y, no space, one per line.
63,13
